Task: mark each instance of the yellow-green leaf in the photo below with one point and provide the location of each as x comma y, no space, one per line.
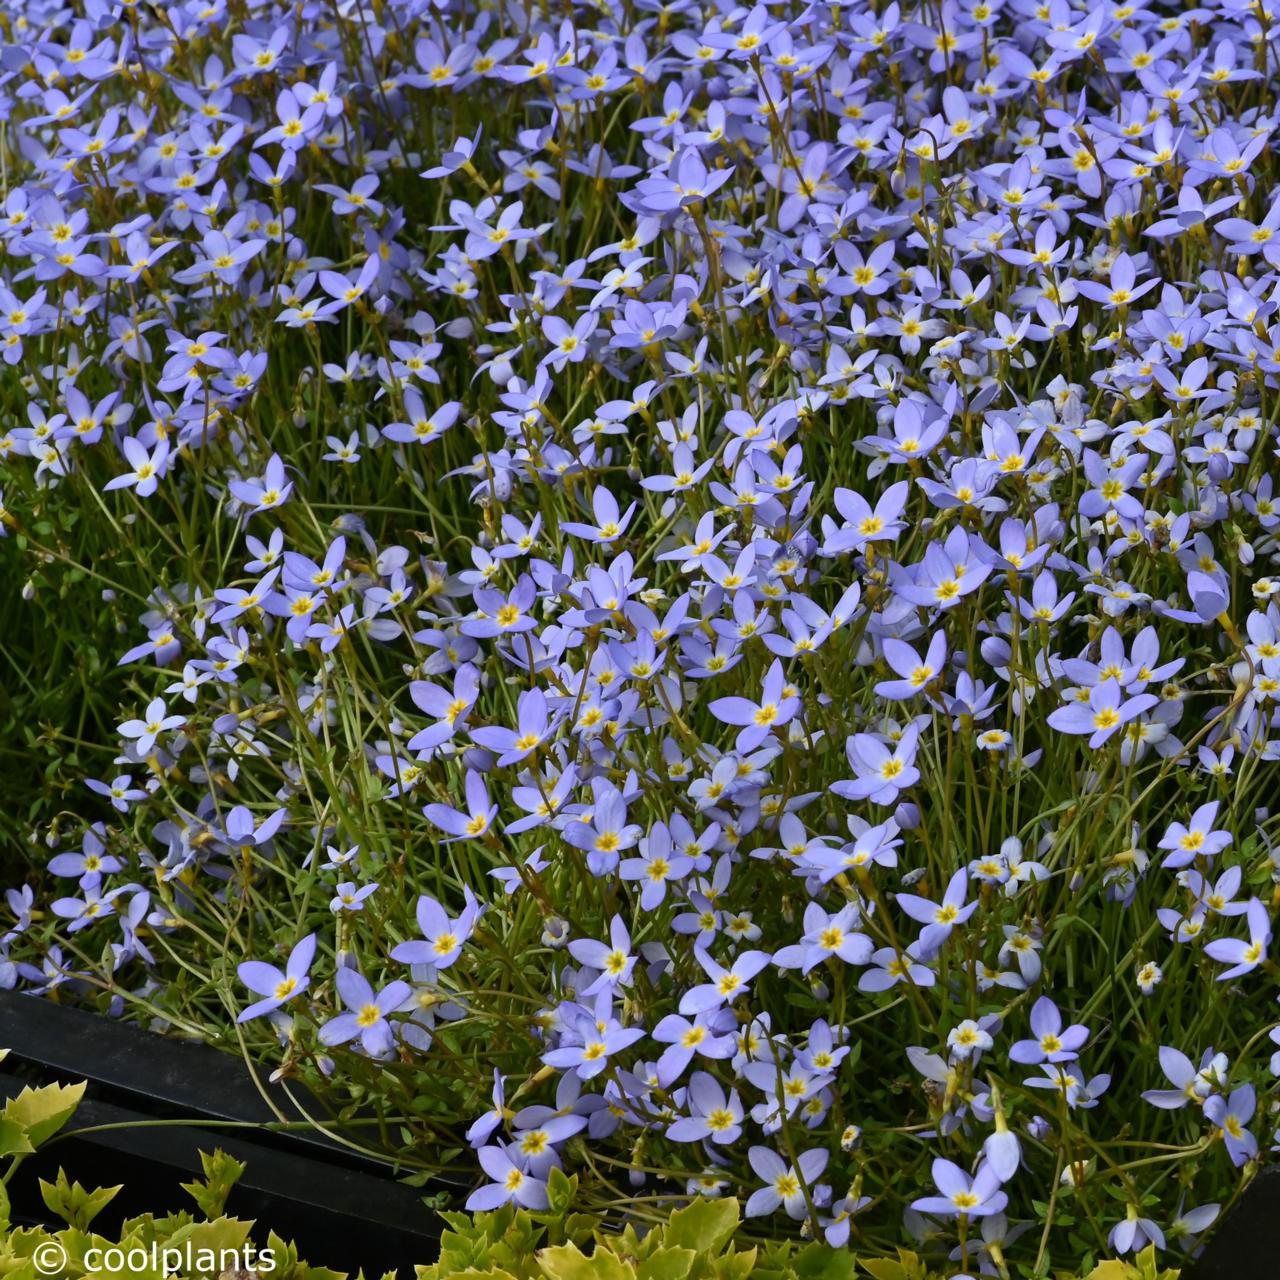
704,1226
1111,1270
13,1138
568,1262
42,1112
666,1264
885,1269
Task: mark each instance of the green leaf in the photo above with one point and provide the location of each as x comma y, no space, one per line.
667,1264
13,1138
580,1226
560,1192
306,1272
1149,1269
704,1226
284,1258
736,1266
821,1262
42,1112
221,1173
1112,1270
212,1240
568,1262
884,1269
127,1268
72,1203
491,1273
907,1267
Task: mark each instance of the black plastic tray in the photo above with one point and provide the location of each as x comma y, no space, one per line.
341,1209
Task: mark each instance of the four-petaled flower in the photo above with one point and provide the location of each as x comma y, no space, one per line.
277,987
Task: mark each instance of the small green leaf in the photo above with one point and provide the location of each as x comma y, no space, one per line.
568,1262
13,1138
306,1272
884,1269
491,1273
736,1266
821,1262
42,1112
221,1173
214,1239
284,1258
560,1192
1112,1270
907,1267
705,1226
72,1203
667,1264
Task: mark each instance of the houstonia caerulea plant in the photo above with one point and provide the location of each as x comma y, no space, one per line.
682,592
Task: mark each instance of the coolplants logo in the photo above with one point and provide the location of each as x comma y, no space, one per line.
52,1259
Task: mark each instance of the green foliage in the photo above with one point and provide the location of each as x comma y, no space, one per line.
910,1266
705,1224
907,1267
145,1248
1144,1267
702,1240
697,1242
72,1203
35,1115
221,1173
26,1252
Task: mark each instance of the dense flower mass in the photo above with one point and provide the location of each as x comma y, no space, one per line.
685,587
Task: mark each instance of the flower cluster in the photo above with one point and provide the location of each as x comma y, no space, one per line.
690,585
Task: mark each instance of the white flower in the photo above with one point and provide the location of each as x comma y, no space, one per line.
967,1038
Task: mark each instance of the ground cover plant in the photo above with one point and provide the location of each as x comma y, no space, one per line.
695,1242
153,1246
673,593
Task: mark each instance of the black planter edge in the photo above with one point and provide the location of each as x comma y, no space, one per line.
341,1209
